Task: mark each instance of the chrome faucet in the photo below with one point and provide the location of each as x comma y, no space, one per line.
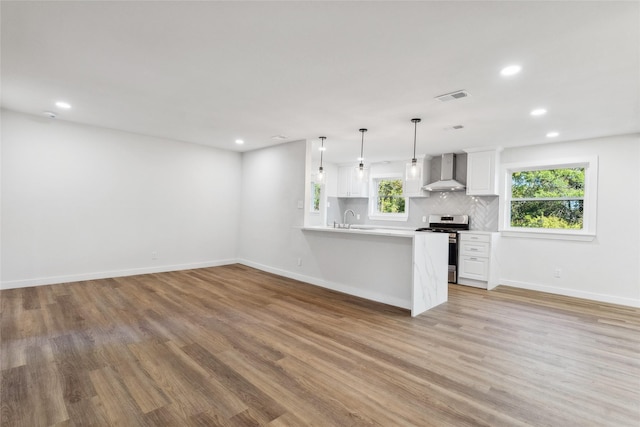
344,218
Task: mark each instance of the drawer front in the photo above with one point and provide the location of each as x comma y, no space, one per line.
474,268
480,249
470,237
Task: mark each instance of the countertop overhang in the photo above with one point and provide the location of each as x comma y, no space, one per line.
359,230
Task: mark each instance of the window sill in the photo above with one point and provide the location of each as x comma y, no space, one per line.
390,217
549,234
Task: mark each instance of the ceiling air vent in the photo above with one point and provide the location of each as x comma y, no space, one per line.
453,95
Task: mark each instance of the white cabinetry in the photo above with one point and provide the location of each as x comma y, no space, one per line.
477,263
351,183
414,181
482,172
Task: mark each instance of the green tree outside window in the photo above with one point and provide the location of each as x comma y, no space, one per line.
315,196
390,198
551,198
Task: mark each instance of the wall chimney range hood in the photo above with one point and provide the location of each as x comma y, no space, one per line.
447,181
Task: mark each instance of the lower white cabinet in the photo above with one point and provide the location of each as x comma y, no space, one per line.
477,262
474,268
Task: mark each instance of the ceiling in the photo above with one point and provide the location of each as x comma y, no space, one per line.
213,72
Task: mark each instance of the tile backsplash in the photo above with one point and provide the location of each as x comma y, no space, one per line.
482,210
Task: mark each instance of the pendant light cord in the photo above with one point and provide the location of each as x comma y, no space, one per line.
322,138
361,165
415,133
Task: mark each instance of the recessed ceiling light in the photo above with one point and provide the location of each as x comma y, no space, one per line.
278,137
239,141
510,70
63,105
552,134
538,112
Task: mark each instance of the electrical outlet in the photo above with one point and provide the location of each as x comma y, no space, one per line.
154,255
300,204
557,273
357,216
424,219
299,262
328,204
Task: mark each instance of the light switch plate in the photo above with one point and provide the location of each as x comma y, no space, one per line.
300,204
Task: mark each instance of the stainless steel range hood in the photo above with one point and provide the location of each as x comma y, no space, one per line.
447,181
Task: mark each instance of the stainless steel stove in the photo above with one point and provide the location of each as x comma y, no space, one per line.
449,224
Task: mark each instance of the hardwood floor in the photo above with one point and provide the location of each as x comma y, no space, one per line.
234,346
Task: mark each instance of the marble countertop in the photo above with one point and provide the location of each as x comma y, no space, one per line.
370,230
381,231
478,231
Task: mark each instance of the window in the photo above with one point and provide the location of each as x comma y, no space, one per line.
315,197
387,200
548,198
551,198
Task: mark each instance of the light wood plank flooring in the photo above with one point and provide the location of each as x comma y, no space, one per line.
234,346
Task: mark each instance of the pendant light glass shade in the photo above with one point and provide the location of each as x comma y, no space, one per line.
320,175
414,160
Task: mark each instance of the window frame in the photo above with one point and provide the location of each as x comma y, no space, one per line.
373,199
588,231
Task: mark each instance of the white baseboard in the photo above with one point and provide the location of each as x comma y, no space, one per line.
40,281
612,299
334,286
351,290
472,282
340,287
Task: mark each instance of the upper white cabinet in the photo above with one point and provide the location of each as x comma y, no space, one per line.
414,181
482,172
351,183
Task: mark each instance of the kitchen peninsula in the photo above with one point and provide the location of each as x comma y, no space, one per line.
402,268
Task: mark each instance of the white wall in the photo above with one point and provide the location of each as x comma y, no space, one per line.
273,183
83,202
605,269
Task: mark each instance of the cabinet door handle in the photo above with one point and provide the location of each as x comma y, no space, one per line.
474,238
473,259
473,249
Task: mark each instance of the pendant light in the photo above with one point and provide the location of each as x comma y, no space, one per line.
361,165
320,169
414,161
